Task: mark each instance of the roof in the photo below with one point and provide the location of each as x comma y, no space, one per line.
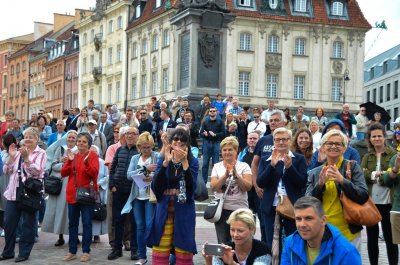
320,14
31,45
23,38
378,60
382,64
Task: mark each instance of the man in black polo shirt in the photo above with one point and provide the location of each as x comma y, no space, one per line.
212,131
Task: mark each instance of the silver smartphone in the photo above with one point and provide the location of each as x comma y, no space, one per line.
213,250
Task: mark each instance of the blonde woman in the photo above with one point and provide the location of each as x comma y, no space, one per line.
316,134
238,174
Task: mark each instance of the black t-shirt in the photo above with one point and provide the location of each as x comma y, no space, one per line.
264,146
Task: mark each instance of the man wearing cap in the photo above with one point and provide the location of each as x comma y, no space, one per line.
98,138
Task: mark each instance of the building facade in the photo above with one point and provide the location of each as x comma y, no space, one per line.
381,81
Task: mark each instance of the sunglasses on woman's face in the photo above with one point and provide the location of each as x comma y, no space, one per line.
178,139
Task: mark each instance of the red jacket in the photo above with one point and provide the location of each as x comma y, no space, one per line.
85,173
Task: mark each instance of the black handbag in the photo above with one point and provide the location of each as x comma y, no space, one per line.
52,184
213,211
201,192
27,199
100,211
85,196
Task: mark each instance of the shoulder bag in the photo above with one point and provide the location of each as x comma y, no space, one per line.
357,214
85,196
27,199
213,211
285,207
53,184
100,211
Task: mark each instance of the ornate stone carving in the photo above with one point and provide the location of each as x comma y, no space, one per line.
273,61
360,38
154,61
262,30
208,48
82,14
230,30
337,67
285,31
143,65
326,34
350,38
101,6
315,34
217,5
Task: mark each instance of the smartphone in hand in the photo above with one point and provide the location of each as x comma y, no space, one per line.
213,250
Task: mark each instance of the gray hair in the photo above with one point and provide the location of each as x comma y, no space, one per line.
334,132
310,202
282,130
122,131
279,113
33,131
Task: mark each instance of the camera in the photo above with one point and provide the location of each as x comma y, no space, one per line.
214,250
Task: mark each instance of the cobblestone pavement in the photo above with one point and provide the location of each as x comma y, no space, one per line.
44,251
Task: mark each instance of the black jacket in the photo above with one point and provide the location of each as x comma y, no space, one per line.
145,126
119,169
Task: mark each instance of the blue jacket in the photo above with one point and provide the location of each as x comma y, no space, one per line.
349,154
335,250
53,138
294,179
185,213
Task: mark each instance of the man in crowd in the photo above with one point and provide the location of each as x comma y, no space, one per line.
193,127
347,118
257,124
266,113
90,108
130,118
185,107
95,115
16,130
106,127
67,119
120,187
145,124
316,241
235,110
98,138
77,113
220,105
362,124
297,124
164,125
304,117
212,131
58,134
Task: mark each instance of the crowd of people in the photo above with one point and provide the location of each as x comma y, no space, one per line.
141,168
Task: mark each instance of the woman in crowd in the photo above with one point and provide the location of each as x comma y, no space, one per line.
204,107
233,174
181,116
288,115
244,248
320,118
44,129
377,118
33,160
284,173
143,210
327,181
374,164
81,169
242,124
228,120
7,140
396,137
316,134
100,227
174,183
83,121
303,144
56,214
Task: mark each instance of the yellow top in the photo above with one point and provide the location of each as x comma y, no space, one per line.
333,207
312,254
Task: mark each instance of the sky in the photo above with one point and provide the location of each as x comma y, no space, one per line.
22,19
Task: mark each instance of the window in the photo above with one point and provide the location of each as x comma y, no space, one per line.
137,11
84,96
273,42
109,95
76,69
166,38
272,85
144,86
245,42
396,90
11,90
154,45
388,92
165,80
16,112
158,3
22,111
299,87
246,3
244,83
134,88
337,8
12,70
154,83
18,68
368,96
374,95
118,91
119,53
92,35
144,46
100,58
337,49
5,63
385,67
119,22
273,4
84,66
23,66
300,46
5,83
371,73
110,56
84,41
134,50
396,112
110,26
380,94
17,89
336,88
300,5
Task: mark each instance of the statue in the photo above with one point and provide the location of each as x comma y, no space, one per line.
208,49
215,5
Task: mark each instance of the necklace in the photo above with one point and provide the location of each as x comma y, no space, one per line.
176,166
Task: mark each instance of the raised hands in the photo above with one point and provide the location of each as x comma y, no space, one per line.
275,157
287,160
70,154
12,151
331,171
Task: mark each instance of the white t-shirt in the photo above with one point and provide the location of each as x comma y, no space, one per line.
143,192
235,198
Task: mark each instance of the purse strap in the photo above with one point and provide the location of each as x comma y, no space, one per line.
20,171
348,170
227,188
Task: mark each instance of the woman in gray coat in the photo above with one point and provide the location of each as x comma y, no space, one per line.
56,215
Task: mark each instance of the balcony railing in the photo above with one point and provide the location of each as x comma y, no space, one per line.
96,72
98,38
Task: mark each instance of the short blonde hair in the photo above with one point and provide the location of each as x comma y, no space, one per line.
230,140
32,131
145,137
244,215
334,132
282,130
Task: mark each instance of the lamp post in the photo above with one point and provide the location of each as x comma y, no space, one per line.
27,91
346,78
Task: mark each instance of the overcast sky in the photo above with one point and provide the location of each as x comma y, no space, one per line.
17,18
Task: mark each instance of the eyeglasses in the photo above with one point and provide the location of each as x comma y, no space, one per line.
116,131
60,124
131,133
180,139
274,120
143,113
256,117
146,147
212,111
331,144
284,140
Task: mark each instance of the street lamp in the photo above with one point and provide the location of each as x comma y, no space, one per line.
346,78
27,90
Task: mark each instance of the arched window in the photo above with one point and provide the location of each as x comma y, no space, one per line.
92,35
273,4
166,38
337,8
119,22
154,43
245,41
